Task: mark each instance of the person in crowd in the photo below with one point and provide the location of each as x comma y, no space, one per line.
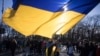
31,46
98,50
57,50
78,47
6,43
39,47
70,49
49,47
13,46
84,49
91,48
63,49
94,48
43,46
0,46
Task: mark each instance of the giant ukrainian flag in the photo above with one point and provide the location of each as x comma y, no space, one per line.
46,17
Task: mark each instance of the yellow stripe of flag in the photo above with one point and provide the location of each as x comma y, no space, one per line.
51,27
69,25
26,19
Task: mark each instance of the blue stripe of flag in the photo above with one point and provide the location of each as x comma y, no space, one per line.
49,5
82,6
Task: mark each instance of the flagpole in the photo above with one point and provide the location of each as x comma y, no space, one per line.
2,9
2,6
2,12
1,22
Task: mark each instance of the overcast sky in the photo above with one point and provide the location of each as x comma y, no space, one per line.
8,3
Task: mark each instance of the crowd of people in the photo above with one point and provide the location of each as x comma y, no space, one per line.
83,47
52,47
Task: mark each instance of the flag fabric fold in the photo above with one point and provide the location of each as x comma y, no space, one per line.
46,17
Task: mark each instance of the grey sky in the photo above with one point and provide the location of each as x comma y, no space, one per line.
95,11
